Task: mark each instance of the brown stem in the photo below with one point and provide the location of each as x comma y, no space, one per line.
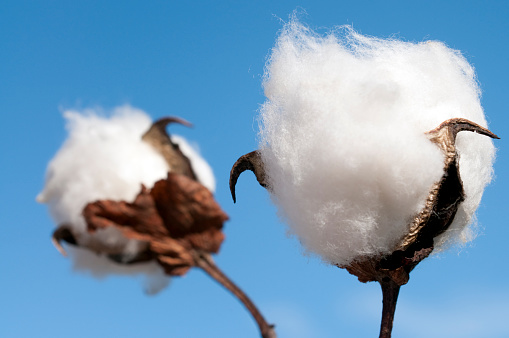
390,291
204,261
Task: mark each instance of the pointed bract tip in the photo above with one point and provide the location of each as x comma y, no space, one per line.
251,161
62,233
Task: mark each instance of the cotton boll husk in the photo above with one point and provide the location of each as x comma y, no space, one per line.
342,137
105,158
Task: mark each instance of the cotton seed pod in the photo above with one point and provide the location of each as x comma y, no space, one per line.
169,220
110,160
354,137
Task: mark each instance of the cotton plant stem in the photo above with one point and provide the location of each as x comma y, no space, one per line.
205,262
390,291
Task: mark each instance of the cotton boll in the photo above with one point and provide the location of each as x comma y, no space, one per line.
342,137
105,158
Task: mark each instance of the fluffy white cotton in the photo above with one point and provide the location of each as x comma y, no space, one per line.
342,137
105,158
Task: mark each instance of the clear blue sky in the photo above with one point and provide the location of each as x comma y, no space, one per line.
203,61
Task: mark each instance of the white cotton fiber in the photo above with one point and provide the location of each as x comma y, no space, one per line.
105,158
343,137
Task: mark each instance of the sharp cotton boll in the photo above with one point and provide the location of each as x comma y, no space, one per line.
342,137
105,158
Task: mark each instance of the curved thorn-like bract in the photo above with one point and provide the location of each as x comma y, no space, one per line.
445,134
158,137
62,233
251,161
164,121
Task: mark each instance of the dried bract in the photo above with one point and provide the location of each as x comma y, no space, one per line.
175,218
158,137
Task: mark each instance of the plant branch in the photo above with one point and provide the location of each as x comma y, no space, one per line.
390,292
205,262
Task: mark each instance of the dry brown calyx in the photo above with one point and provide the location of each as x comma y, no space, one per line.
175,218
393,270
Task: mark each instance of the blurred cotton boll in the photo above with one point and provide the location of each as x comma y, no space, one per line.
105,158
342,137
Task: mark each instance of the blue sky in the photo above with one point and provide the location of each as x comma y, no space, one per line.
204,61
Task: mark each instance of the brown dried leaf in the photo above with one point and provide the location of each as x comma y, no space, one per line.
173,255
177,216
137,220
189,211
